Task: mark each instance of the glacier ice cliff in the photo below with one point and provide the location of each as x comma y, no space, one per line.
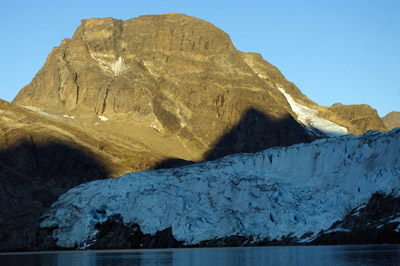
297,190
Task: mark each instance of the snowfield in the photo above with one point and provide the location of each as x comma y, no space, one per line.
310,119
273,193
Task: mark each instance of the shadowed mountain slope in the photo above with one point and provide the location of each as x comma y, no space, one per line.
42,157
256,131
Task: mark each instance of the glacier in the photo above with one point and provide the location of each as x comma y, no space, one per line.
297,191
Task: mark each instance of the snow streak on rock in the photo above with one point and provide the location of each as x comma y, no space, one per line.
310,119
40,112
299,189
118,67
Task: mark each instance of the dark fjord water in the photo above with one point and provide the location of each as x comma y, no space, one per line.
283,256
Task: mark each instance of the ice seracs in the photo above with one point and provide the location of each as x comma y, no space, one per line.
295,190
310,119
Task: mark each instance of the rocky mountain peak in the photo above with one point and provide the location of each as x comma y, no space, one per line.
178,75
149,38
392,120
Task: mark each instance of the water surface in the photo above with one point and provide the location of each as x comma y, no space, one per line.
365,255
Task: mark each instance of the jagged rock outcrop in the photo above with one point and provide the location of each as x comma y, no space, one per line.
176,75
392,120
375,222
358,119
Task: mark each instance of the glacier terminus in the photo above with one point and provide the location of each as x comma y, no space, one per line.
297,191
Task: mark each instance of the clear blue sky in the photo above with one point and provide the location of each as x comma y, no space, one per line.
334,50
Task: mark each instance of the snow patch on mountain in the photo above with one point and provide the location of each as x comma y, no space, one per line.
298,190
103,118
69,116
118,67
261,76
310,119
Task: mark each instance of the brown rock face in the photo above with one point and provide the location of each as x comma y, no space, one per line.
179,76
392,120
358,119
172,82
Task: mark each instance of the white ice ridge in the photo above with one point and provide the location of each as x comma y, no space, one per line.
298,189
310,119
